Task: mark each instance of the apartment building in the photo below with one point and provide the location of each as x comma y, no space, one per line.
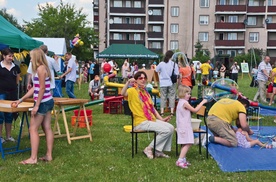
224,27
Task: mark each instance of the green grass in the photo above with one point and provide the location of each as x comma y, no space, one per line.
108,156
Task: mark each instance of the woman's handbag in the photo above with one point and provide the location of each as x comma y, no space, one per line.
173,76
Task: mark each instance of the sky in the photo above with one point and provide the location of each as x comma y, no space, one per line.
28,9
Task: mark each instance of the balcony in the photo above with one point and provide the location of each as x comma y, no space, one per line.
271,43
96,18
255,9
127,10
271,26
156,1
231,8
230,43
156,18
127,26
271,9
127,42
224,25
155,34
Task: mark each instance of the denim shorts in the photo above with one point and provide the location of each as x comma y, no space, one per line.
5,116
45,107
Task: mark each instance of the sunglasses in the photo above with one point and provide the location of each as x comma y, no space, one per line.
142,78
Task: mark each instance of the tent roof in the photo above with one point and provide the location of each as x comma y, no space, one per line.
15,38
121,51
56,45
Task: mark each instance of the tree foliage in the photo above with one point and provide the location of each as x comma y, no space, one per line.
10,18
201,55
253,57
66,21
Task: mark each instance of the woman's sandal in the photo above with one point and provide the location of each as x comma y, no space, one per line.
161,154
148,152
269,146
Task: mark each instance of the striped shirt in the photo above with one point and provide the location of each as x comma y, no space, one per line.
47,94
263,66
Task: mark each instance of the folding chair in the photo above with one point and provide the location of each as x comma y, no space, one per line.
134,134
201,113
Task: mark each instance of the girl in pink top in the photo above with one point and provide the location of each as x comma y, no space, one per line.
185,135
43,105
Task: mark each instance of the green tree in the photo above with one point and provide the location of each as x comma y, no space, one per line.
66,21
201,55
10,18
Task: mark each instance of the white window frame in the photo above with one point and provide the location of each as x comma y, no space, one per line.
174,28
156,12
220,52
270,19
156,28
232,53
137,36
117,36
232,36
204,3
222,2
252,20
128,4
253,36
203,19
137,4
233,19
174,45
118,20
137,20
234,2
253,3
117,3
156,45
269,2
175,11
203,36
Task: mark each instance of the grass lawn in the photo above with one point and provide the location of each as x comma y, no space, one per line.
108,156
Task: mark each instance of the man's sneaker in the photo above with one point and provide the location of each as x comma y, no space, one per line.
11,139
181,164
2,140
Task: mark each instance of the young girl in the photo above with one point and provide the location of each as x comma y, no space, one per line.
43,105
245,141
183,122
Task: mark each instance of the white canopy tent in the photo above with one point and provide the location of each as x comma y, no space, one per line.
56,45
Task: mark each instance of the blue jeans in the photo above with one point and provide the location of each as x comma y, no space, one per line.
69,86
5,116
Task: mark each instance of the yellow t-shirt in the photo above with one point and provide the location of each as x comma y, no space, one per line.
274,70
135,103
227,110
205,67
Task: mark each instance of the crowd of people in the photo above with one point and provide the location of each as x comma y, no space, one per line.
40,85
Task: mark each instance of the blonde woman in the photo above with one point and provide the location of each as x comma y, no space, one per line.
43,105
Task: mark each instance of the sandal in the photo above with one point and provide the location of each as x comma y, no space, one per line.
181,164
269,146
161,154
147,151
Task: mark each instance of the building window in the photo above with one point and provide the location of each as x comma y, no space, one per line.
269,2
117,36
118,20
138,20
174,28
174,44
232,53
220,52
222,2
203,36
128,4
137,4
252,20
232,36
156,12
233,19
118,3
269,19
174,11
156,28
253,37
253,3
156,45
234,2
137,36
203,20
204,3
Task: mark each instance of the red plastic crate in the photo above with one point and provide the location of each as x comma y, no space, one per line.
88,112
81,123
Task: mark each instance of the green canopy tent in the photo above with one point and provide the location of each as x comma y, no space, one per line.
123,51
15,38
